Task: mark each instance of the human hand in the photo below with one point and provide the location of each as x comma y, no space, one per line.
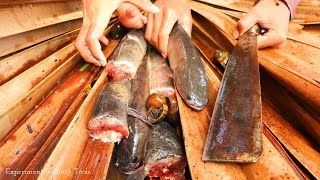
130,16
160,25
96,16
271,17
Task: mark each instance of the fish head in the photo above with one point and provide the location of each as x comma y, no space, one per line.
128,165
192,87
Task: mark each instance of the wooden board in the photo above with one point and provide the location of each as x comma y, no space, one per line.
20,41
18,63
22,18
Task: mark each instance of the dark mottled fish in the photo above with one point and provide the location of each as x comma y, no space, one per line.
128,55
160,74
117,31
108,121
162,101
130,152
165,156
189,76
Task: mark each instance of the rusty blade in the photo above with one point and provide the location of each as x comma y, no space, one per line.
235,132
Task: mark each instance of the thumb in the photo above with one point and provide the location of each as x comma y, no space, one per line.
244,24
186,23
144,5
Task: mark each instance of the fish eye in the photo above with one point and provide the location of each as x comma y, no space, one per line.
134,159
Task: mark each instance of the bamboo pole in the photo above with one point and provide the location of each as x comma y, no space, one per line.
38,15
20,41
21,146
18,63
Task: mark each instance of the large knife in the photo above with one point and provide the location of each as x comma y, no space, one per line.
235,132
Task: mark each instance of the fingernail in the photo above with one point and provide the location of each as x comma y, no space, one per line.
153,8
163,55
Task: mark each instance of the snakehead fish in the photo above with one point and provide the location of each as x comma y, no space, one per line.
162,102
130,152
165,156
189,75
108,121
128,55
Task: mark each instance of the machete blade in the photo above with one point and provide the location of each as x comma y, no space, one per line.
235,132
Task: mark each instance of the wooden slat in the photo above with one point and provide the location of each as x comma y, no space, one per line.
21,146
42,155
67,154
296,112
20,41
14,93
18,2
22,18
16,64
293,140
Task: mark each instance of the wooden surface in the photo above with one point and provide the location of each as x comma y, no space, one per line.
18,63
22,145
26,102
17,42
26,17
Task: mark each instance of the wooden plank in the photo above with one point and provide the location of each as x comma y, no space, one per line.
42,155
38,15
297,144
20,41
21,146
67,154
18,2
16,64
13,94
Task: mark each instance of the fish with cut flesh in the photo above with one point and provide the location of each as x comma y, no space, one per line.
108,121
165,156
130,151
162,102
128,55
188,70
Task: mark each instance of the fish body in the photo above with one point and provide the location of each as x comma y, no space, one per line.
160,74
108,121
162,102
189,75
130,152
128,55
164,157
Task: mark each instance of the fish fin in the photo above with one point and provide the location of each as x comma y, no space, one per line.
138,174
138,115
169,72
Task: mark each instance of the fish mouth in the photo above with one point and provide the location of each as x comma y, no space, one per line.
195,103
128,168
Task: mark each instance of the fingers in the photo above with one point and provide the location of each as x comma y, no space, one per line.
145,5
157,21
272,38
245,24
168,22
130,16
84,51
148,31
92,40
186,23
